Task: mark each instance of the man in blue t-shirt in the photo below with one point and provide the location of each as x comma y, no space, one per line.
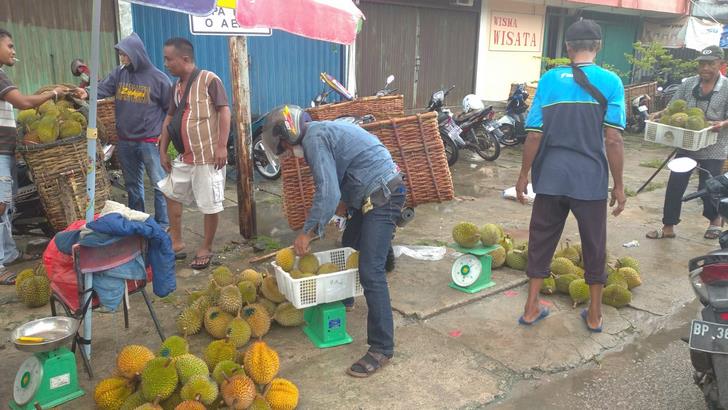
573,142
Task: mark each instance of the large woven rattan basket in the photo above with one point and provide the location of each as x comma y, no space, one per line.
415,145
381,108
59,171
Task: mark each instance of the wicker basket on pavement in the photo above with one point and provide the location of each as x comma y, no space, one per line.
381,108
416,147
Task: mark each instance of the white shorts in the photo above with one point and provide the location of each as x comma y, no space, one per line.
199,185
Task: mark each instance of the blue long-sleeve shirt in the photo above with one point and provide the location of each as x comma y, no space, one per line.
347,164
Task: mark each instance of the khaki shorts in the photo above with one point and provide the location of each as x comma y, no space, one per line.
195,185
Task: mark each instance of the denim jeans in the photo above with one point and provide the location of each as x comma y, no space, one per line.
135,157
374,239
8,250
677,184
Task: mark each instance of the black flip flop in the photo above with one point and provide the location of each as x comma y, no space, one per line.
201,262
180,256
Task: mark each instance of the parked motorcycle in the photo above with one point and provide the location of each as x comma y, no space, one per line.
334,84
512,124
640,113
473,129
708,338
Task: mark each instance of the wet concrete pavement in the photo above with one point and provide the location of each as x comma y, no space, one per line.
454,350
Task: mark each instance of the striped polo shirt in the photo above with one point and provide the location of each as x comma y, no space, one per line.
8,132
571,159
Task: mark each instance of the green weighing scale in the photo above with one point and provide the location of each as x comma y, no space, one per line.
471,272
326,325
48,378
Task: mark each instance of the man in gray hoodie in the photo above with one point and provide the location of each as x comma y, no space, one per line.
142,94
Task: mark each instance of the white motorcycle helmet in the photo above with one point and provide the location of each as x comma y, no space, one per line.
472,102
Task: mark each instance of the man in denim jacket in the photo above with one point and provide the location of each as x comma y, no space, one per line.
351,166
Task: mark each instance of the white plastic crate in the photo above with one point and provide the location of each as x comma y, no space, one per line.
315,290
679,137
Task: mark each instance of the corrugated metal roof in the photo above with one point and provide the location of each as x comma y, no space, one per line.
284,68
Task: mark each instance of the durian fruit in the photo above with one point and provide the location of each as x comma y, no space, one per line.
679,120
21,277
616,278
282,394
570,253
238,332
35,291
79,118
287,315
223,276
308,263
248,291
189,322
631,276
695,112
677,106
238,392
562,266
498,256
203,302
26,116
258,318
171,402
189,365
159,379
48,129
150,406
285,258
466,234
491,234
617,296
548,286
173,346
268,304
190,405
111,393
666,119
192,296
259,403
579,271
70,128
131,360
226,368
217,351
297,274
328,268
230,299
579,291
269,289
200,388
133,401
506,242
695,123
628,262
516,259
216,322
46,107
352,262
260,362
253,276
563,282
213,292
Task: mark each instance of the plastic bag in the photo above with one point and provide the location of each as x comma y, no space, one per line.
59,268
510,193
423,253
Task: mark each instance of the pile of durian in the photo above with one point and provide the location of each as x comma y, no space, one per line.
33,286
50,122
175,379
507,252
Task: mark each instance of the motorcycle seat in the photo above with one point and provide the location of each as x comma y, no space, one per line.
465,116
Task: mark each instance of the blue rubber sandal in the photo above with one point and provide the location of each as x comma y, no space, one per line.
584,313
544,312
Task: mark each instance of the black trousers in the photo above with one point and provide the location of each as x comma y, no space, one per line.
678,184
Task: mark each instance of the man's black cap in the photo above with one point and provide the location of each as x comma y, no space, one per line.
711,53
584,30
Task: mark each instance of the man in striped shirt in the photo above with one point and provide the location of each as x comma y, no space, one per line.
197,176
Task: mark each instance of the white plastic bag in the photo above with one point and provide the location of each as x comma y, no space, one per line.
510,193
423,253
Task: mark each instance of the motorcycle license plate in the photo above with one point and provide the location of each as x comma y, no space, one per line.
453,130
642,108
708,337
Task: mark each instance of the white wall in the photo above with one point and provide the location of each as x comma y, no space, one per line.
496,70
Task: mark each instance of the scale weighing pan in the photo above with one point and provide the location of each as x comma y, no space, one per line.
55,331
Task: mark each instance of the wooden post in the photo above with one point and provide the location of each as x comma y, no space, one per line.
243,146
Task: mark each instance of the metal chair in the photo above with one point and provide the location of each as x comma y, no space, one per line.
89,260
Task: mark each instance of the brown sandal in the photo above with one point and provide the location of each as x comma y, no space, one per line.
367,365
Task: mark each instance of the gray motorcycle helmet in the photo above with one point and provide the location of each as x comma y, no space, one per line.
283,123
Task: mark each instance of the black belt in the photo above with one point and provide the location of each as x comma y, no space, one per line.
379,198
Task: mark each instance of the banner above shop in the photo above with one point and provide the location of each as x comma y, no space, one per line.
515,32
669,34
702,33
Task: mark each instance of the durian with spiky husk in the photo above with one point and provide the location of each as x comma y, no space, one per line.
617,296
70,128
498,257
308,263
282,394
286,258
192,296
133,401
631,276
79,118
190,405
47,106
48,129
223,276
677,106
297,274
628,262
579,291
507,243
258,318
579,271
548,286
216,322
570,253
466,234
563,281
352,262
202,303
491,234
616,278
35,291
562,266
173,346
226,368
213,292
200,388
252,275
248,291
189,321
230,299
516,259
111,393
219,350
269,305
328,268
287,315
150,406
238,332
26,116
22,276
238,392
260,362
171,402
159,378
269,289
189,365
131,360
259,403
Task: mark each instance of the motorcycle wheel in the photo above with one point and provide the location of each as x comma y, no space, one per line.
451,151
486,144
509,135
264,168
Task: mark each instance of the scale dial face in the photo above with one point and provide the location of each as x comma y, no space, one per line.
466,270
27,380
